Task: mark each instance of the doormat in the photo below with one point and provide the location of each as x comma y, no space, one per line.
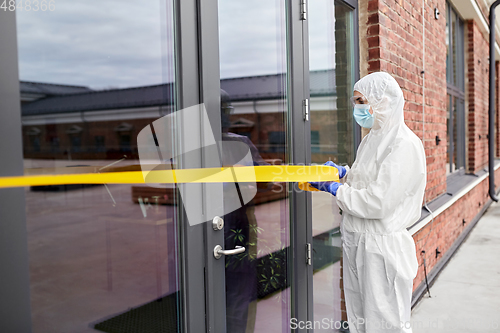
159,316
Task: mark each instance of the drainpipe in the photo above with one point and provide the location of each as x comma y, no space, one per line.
491,111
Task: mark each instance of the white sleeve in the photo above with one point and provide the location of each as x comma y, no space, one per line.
399,176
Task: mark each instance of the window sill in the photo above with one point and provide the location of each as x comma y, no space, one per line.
458,184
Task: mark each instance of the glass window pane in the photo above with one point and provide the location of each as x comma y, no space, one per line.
460,56
254,104
92,75
331,61
448,67
450,113
454,51
455,77
456,135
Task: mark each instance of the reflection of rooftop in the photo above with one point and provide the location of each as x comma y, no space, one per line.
31,91
51,98
101,100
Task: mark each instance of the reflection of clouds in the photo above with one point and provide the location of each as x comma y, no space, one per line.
321,34
94,43
252,37
116,43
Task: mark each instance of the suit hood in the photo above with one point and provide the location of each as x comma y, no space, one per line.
385,96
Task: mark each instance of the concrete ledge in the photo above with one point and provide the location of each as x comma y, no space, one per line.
441,264
444,202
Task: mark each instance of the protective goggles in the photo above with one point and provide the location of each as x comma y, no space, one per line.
358,100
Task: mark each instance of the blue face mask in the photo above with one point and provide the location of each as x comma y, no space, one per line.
363,116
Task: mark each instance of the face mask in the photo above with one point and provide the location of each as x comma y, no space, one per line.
363,116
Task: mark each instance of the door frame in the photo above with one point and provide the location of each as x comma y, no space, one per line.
189,93
15,304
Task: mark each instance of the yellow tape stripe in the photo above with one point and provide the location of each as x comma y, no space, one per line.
264,173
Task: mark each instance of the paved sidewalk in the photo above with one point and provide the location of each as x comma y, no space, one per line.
466,295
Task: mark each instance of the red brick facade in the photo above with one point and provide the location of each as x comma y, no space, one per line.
447,226
395,45
477,93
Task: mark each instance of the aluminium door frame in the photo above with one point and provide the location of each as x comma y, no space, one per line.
299,135
209,83
192,270
15,305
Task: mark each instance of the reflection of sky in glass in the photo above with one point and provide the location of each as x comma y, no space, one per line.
252,37
104,44
100,44
321,34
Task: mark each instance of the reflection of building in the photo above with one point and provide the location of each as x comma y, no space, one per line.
55,117
33,91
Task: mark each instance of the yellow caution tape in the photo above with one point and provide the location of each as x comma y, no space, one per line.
262,173
304,186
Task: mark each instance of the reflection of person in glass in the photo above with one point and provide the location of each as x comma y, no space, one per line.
240,228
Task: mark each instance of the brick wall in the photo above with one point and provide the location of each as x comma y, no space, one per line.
477,91
446,227
395,45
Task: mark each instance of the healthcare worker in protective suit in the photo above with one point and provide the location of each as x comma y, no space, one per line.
381,195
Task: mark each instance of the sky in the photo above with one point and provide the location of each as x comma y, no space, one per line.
117,44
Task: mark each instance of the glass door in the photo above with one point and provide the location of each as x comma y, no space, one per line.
93,75
255,263
255,111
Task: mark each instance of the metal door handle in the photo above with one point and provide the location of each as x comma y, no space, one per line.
218,251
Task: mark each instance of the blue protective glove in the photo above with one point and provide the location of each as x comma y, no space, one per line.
342,170
330,187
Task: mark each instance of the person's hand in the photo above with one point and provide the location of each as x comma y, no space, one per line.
330,187
341,169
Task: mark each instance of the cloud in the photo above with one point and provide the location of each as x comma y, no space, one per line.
321,34
94,43
120,43
252,37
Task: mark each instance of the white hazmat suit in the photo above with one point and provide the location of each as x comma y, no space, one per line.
381,196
